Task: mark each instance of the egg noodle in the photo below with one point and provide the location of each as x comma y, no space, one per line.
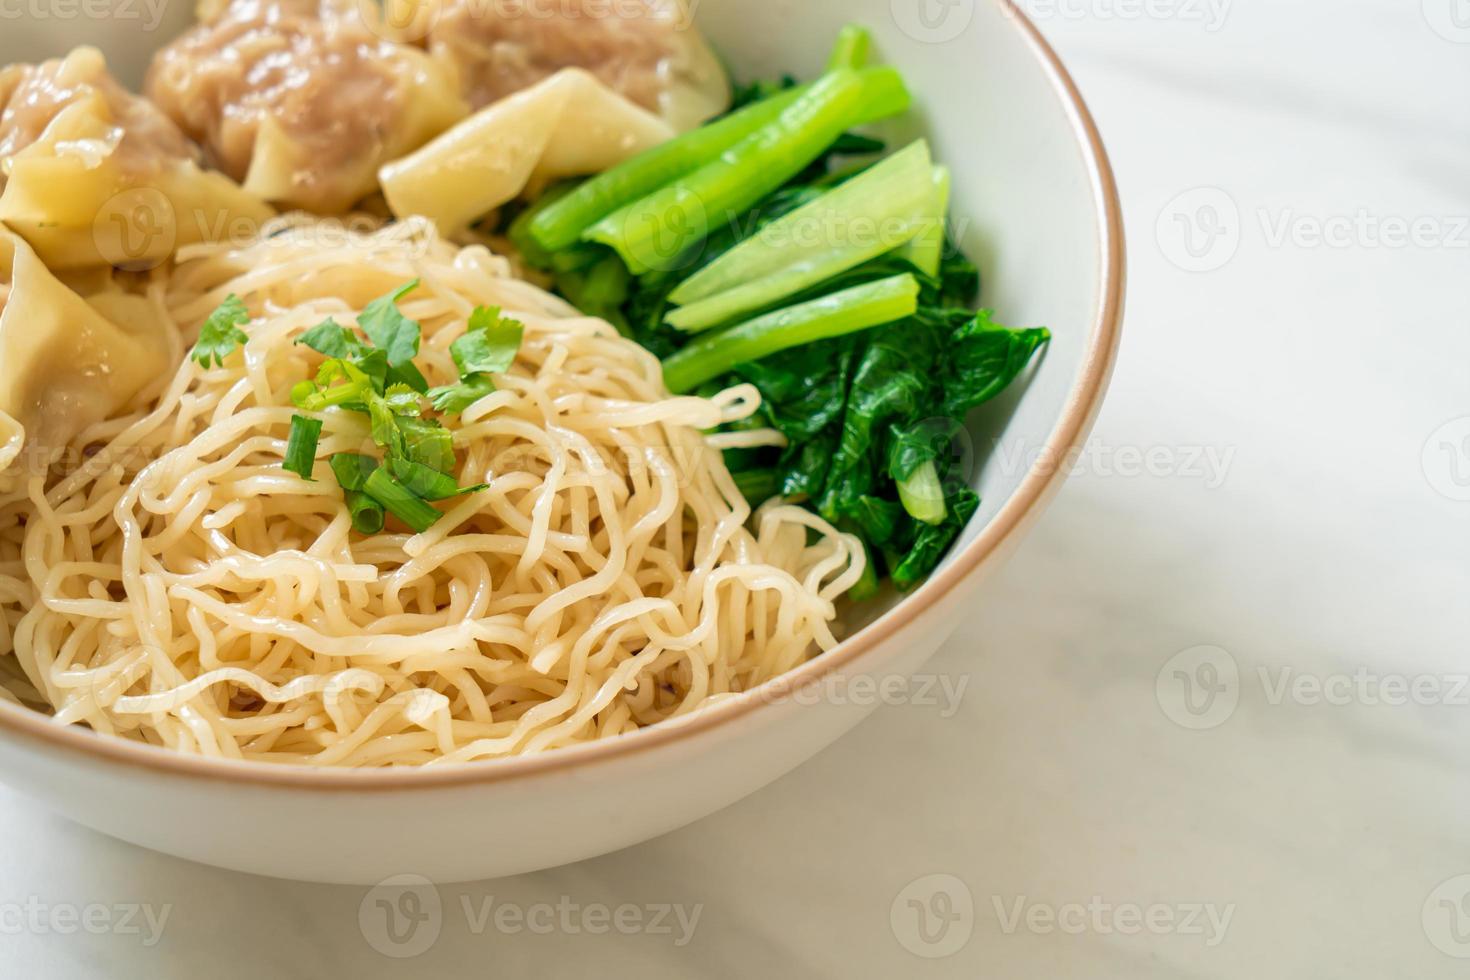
174,585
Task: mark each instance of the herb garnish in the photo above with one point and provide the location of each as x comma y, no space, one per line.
373,373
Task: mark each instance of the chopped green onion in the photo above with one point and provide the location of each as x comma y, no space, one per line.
399,501
427,483
922,495
301,446
367,513
352,470
858,308
863,218
657,232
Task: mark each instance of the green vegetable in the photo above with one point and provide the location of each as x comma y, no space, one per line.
560,225
926,251
854,309
352,470
867,586
853,45
221,333
873,213
399,501
367,513
301,446
429,443
922,495
699,233
454,399
758,486
332,339
427,483
377,377
338,382
488,346
658,231
388,329
490,343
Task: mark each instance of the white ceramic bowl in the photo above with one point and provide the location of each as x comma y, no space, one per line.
1038,210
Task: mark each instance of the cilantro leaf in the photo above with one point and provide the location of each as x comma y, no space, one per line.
407,374
489,345
388,329
403,400
385,426
221,332
332,339
325,392
455,398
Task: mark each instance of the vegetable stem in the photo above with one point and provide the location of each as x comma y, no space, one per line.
659,231
400,501
922,495
926,250
853,45
858,308
871,214
560,225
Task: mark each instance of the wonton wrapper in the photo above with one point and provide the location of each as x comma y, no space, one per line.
65,363
567,126
648,51
302,100
94,175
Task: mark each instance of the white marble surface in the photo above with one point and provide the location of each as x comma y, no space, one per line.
1324,832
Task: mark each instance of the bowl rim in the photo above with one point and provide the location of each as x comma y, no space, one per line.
1079,410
